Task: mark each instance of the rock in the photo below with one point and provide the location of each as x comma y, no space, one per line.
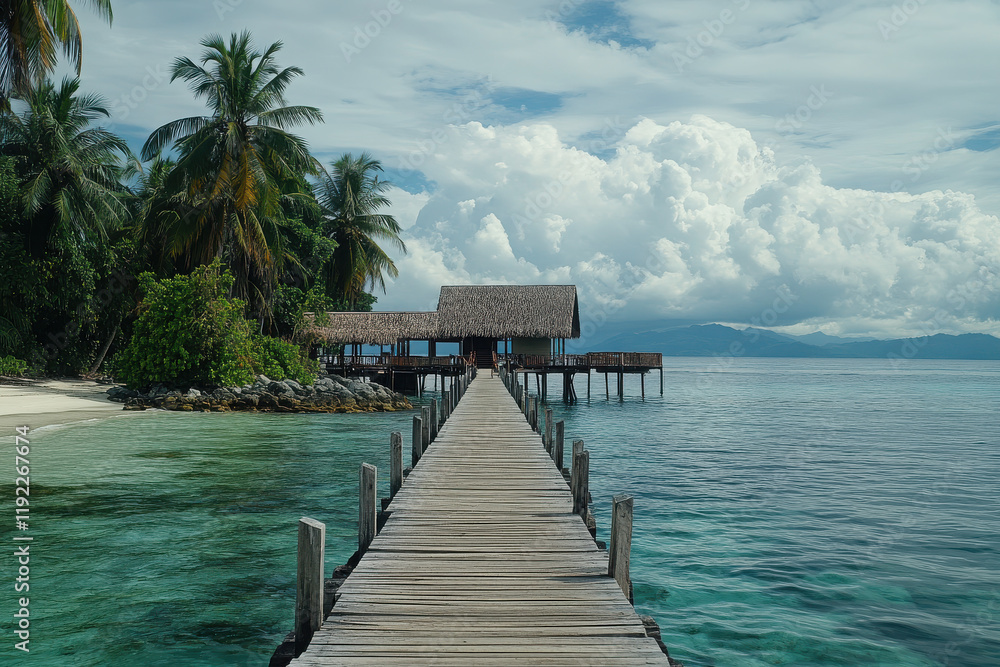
121,394
193,393
280,389
267,402
293,385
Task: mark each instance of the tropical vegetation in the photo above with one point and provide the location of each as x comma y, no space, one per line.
194,261
31,33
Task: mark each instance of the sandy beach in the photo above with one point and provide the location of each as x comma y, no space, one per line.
36,403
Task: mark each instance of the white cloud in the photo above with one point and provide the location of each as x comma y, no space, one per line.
694,220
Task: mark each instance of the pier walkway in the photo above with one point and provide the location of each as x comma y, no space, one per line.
483,562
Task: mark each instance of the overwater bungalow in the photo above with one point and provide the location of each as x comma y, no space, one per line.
521,327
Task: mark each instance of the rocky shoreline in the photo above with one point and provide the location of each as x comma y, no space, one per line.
329,393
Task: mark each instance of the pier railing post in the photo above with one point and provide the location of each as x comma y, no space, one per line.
395,463
434,419
548,430
557,446
621,543
425,437
418,447
580,479
309,582
366,506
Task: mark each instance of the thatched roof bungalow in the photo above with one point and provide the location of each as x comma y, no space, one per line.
508,311
376,328
531,317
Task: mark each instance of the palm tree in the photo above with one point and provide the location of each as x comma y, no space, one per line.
30,33
70,171
351,198
232,166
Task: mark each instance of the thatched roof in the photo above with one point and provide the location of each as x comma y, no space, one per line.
488,311
509,311
377,328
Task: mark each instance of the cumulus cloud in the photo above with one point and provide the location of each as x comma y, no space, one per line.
695,220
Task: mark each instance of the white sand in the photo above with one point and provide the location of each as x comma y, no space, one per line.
38,403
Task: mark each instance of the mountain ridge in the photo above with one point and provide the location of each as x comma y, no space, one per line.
717,339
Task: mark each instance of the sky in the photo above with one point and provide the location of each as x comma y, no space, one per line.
798,165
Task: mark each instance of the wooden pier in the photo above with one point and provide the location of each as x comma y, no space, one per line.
485,557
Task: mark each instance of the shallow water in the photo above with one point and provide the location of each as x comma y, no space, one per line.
788,512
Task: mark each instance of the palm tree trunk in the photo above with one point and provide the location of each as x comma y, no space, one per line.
104,351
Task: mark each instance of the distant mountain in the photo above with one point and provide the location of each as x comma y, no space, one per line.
940,346
709,340
716,339
821,339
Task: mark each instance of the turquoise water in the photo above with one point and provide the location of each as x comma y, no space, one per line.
788,512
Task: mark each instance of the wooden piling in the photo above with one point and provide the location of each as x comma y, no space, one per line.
621,543
557,447
548,430
366,506
418,440
425,436
581,478
434,419
309,582
395,463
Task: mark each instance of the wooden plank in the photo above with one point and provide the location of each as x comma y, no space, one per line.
483,560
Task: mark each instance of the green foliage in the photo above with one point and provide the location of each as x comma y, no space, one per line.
33,33
189,332
238,170
11,366
279,360
351,198
363,304
290,306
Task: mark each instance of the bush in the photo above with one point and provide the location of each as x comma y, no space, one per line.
189,333
12,367
280,360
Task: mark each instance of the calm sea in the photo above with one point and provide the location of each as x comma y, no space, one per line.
788,512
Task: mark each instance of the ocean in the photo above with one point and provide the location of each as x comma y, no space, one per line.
787,512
